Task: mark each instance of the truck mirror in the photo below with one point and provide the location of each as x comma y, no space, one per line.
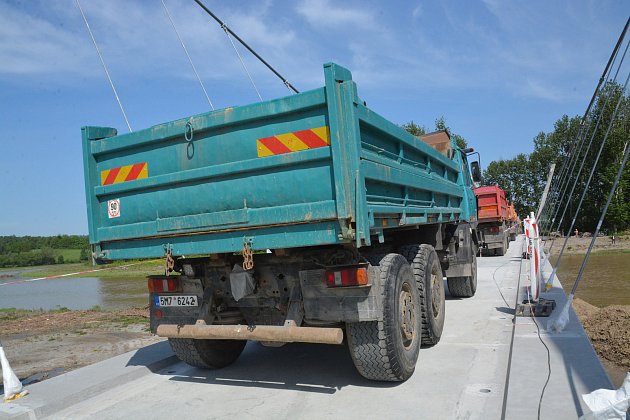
475,172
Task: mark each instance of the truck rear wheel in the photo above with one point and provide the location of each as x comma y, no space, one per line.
388,350
207,354
464,286
428,274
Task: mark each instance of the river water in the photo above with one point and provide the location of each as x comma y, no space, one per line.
74,293
606,279
606,282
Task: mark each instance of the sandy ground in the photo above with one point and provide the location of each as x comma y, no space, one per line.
609,331
580,245
39,345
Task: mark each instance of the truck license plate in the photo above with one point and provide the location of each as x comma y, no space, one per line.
176,301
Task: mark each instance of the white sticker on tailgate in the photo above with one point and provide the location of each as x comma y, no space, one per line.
176,301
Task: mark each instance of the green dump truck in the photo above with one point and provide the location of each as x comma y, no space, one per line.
308,218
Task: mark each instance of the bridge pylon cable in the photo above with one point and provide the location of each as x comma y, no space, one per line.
98,51
586,113
170,18
577,177
590,178
250,49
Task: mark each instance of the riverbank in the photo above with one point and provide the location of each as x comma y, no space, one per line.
41,344
579,245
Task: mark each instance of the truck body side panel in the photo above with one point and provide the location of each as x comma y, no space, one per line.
315,168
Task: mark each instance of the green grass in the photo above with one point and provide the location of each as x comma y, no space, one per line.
127,320
143,269
69,255
11,314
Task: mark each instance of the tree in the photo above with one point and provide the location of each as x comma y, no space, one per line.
440,124
523,177
414,129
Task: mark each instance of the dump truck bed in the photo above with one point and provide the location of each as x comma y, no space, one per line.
492,204
315,168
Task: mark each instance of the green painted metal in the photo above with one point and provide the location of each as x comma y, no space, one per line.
207,189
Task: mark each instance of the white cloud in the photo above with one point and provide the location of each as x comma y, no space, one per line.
539,89
135,38
30,45
417,11
325,14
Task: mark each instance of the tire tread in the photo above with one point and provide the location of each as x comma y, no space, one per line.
368,341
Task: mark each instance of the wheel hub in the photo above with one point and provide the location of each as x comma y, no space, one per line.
407,315
436,288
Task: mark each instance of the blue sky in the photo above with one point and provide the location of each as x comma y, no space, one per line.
498,71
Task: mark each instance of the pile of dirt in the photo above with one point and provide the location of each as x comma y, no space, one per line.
609,331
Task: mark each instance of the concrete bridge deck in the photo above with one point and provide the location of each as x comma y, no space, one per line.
488,365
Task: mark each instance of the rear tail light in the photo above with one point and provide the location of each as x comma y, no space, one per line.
163,284
493,230
353,276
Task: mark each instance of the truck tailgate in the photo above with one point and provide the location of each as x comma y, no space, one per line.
267,164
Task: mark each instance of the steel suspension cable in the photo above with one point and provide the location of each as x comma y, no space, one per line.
170,18
559,323
262,60
559,181
599,119
624,161
567,180
576,178
98,51
588,182
225,29
596,92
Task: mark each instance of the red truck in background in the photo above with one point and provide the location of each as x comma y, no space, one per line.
498,222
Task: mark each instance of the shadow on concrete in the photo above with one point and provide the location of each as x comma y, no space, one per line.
154,357
580,364
316,368
505,310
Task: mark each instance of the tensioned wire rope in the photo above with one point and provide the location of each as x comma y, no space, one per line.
98,51
559,323
594,167
554,192
567,178
573,176
227,33
564,171
588,182
244,44
170,18
569,197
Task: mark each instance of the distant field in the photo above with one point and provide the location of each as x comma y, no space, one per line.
117,270
69,255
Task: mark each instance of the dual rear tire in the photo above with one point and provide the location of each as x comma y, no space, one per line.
413,315
427,271
388,350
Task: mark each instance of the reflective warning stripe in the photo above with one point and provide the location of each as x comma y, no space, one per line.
124,173
293,142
